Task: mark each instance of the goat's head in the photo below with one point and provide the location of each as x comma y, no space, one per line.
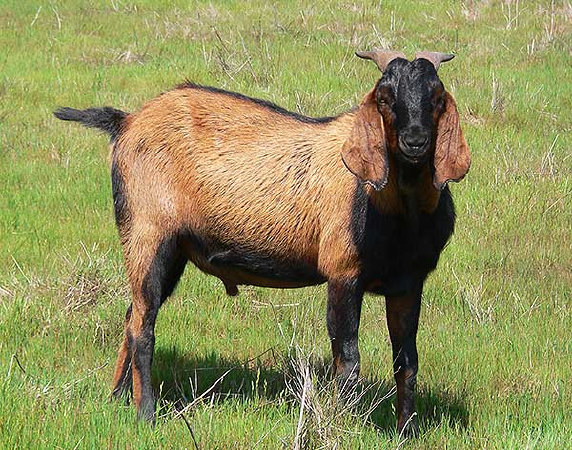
419,122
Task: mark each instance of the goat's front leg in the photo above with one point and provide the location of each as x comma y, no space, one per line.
402,320
344,309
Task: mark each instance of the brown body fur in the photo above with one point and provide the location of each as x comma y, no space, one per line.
241,173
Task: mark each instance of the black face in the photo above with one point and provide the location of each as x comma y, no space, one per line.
411,98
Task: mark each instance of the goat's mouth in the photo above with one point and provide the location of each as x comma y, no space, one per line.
413,157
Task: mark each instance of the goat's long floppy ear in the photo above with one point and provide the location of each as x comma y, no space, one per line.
364,153
452,158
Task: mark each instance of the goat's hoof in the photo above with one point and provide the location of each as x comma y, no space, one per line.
146,412
121,394
409,429
346,388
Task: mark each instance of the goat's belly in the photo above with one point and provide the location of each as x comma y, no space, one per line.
233,276
239,267
263,270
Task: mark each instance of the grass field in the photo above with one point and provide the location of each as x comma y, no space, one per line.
495,335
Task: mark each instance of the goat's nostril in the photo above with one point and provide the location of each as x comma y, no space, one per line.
415,141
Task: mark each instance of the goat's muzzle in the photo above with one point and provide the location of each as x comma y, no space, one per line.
414,145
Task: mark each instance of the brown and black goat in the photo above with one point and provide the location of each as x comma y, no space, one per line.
257,195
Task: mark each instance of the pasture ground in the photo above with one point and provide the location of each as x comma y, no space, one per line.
495,335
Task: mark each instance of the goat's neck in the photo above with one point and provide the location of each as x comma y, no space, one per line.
408,188
409,192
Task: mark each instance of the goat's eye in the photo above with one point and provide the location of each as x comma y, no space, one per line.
385,98
385,103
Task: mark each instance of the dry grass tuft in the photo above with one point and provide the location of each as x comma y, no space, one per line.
324,419
89,281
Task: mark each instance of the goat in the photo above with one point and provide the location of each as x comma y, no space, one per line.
257,195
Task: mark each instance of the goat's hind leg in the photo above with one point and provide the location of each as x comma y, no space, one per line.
122,379
154,265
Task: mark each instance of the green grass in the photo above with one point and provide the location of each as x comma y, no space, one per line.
494,341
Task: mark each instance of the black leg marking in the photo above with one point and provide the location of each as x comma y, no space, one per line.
122,379
344,309
402,321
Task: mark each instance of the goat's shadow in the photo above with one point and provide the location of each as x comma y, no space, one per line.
182,379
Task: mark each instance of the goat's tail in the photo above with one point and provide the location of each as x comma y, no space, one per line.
108,119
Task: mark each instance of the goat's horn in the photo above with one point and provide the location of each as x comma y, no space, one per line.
381,57
435,58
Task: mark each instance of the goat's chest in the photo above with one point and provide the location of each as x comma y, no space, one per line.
397,252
